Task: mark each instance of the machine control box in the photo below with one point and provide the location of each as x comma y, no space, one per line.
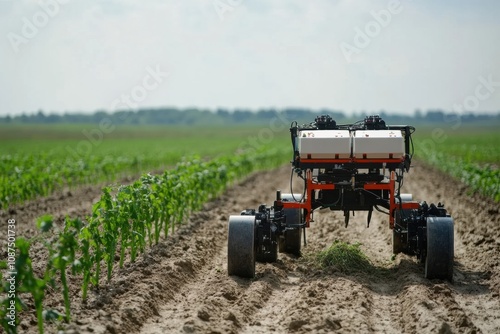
324,144
378,144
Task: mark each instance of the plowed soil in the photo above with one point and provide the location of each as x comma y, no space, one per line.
181,285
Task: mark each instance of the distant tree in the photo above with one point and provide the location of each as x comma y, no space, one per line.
241,116
434,116
38,118
53,118
222,113
418,114
195,116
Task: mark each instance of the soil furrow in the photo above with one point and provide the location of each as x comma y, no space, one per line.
212,299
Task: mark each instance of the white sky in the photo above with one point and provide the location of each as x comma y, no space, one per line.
262,53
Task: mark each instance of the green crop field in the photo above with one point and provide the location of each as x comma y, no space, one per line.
192,165
470,154
125,223
35,160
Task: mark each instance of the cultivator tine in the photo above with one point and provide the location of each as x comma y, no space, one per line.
369,218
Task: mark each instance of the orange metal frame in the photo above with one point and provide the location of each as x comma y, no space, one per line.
312,185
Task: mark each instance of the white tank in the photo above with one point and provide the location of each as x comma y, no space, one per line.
378,144
324,144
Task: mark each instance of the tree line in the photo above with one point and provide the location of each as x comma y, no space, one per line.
192,116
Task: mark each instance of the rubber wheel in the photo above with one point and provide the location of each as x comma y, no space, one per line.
440,248
241,246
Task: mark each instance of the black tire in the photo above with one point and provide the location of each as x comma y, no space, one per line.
241,246
293,241
440,248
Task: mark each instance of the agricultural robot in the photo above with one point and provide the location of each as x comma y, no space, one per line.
348,168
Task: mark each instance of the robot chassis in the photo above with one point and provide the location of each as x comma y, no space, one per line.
349,167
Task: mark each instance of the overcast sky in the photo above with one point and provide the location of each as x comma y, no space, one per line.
352,55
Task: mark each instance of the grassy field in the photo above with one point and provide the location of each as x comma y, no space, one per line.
64,139
37,159
470,154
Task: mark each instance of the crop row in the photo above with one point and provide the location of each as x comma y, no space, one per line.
24,177
469,155
482,178
37,160
124,222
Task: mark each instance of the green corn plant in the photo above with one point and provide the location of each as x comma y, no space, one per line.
65,248
30,283
159,209
110,230
144,214
149,212
125,234
86,260
123,219
96,246
134,235
168,204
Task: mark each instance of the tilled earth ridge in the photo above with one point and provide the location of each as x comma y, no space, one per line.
181,285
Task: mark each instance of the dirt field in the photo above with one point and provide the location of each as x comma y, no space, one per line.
181,285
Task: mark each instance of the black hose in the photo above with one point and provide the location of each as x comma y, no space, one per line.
380,210
291,187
